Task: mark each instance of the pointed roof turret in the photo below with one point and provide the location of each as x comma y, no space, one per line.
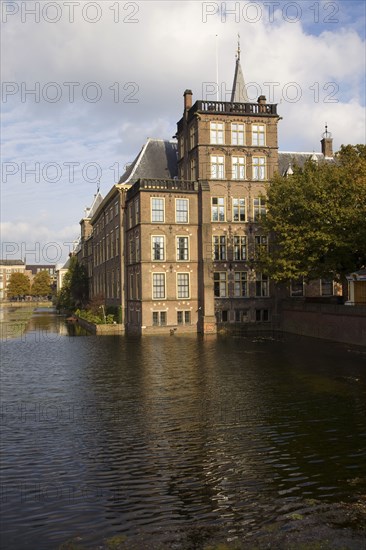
239,91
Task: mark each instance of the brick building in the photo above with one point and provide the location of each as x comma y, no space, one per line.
174,242
7,268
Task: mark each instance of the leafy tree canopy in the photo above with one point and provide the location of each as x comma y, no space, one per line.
317,219
75,287
19,285
41,284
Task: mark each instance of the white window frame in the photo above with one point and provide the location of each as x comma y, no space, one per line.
259,135
152,199
217,166
219,248
240,245
239,203
237,133
259,166
222,279
177,248
179,211
154,286
161,240
219,208
217,132
240,282
238,168
187,287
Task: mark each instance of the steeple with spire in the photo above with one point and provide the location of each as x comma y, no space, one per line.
239,91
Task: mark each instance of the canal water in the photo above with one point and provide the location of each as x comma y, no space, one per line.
180,440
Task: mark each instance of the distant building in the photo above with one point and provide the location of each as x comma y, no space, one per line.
173,244
7,268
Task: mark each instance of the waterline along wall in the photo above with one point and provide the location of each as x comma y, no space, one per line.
328,321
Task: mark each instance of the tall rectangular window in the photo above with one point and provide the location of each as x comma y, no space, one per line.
237,134
181,210
259,208
157,210
327,287
193,169
217,133
261,285
158,286
258,134
240,248
259,168
137,210
240,284
192,136
238,168
219,248
183,285
218,209
239,210
157,243
220,284
217,167
182,249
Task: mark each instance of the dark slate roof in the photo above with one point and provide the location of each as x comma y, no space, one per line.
157,160
35,267
296,159
98,199
11,262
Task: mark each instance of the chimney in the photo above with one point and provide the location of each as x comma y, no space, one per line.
327,143
262,103
187,100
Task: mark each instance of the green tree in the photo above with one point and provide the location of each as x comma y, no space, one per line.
75,287
317,219
19,285
41,284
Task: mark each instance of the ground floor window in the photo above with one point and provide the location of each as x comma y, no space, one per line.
261,315
327,287
184,317
241,315
297,288
159,318
222,316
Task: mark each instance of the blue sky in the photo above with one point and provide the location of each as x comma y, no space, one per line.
129,64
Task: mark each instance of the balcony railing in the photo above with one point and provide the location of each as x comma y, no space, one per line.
168,185
229,107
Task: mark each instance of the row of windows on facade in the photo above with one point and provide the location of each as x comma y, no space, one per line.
219,248
297,288
107,284
107,247
240,205
159,318
109,214
238,171
242,315
237,133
